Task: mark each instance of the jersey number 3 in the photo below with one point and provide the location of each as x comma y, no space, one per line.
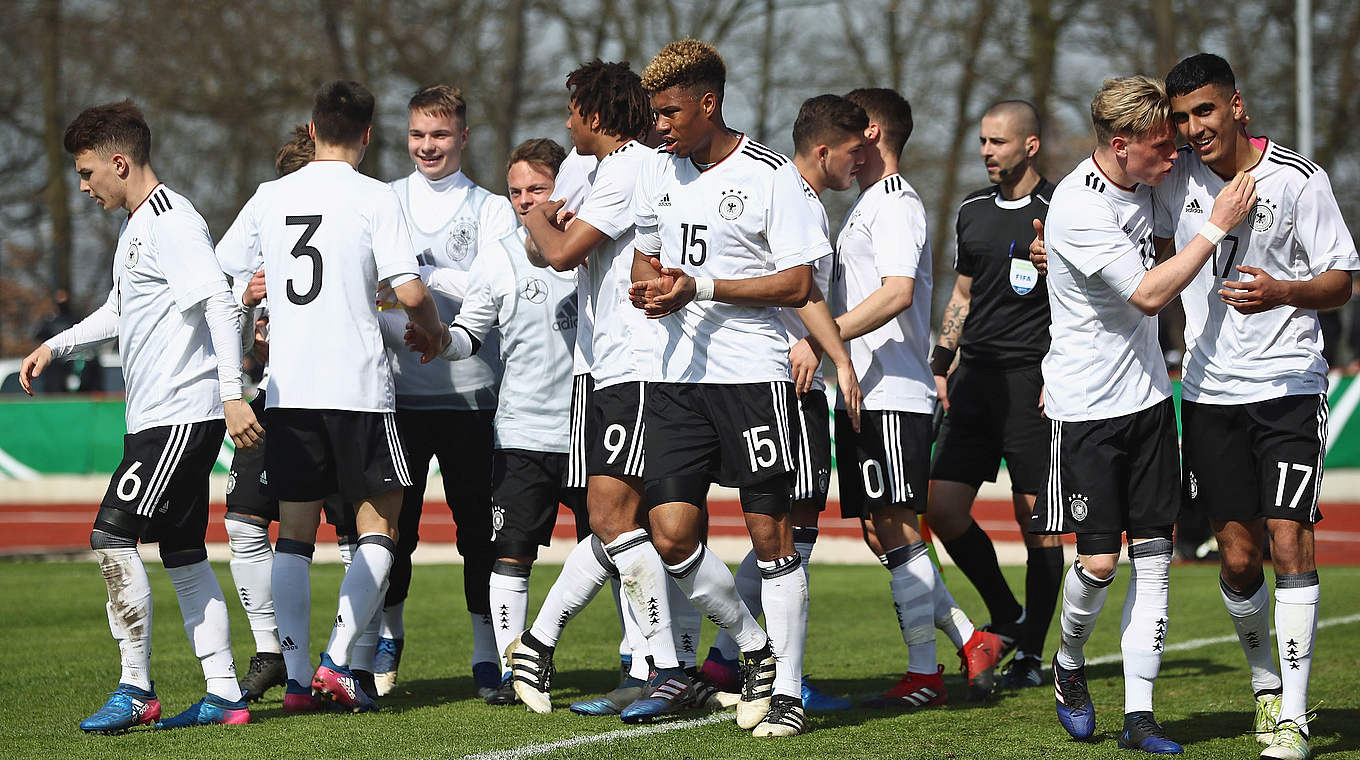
300,249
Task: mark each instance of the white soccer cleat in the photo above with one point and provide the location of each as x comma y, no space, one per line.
757,686
1289,743
531,672
1267,715
785,718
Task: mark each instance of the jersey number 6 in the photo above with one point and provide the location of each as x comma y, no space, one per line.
302,249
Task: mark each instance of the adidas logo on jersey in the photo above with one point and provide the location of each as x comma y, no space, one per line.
665,200
1193,207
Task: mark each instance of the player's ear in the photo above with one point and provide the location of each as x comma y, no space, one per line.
121,166
709,103
1120,145
872,134
311,130
368,135
1238,107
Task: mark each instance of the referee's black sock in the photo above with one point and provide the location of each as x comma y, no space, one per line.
976,557
1043,580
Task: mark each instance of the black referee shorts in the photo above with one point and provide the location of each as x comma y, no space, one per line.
993,414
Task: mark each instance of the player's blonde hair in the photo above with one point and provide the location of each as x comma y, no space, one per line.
441,101
687,63
1130,106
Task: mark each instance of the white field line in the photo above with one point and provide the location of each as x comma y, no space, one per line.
1345,406
11,467
532,750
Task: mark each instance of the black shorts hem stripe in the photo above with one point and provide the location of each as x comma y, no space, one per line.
803,485
173,451
1322,412
781,415
635,461
398,452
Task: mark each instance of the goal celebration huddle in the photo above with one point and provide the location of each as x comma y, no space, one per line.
660,306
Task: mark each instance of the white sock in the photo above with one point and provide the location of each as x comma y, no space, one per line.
1296,605
1250,612
129,609
205,620
366,646
292,585
709,584
913,593
393,621
252,565
1144,622
484,639
361,594
784,589
509,603
583,575
1083,596
748,588
804,539
948,617
642,578
632,632
685,624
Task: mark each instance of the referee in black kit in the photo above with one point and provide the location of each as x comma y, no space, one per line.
998,319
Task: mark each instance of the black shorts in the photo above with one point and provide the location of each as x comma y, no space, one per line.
164,477
313,453
614,431
578,471
886,463
1264,459
993,414
812,479
526,487
700,433
1113,476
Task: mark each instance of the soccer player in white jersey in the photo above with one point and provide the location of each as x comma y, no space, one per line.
829,147
724,238
1254,408
328,236
1113,450
177,328
445,410
881,295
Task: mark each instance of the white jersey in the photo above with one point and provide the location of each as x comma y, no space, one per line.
534,311
885,235
1295,232
326,235
448,220
574,179
624,341
821,277
744,217
1103,360
164,267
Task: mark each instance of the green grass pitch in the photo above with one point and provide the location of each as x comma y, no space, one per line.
59,660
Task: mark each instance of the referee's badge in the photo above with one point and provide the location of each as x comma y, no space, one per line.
1077,506
1023,276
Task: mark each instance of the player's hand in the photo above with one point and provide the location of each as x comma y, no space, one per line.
663,295
1234,202
564,217
1256,295
849,387
1041,401
261,347
804,361
255,291
422,342
33,365
1038,254
942,391
245,431
547,210
387,297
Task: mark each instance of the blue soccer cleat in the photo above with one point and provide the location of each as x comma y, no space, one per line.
386,660
1144,733
339,685
667,692
613,702
816,701
1075,711
211,710
127,707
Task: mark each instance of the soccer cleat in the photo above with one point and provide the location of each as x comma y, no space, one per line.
531,669
785,718
613,702
757,686
266,671
504,694
1022,672
707,695
385,661
1142,732
978,659
1075,711
1008,632
816,701
487,676
339,685
913,691
1267,715
211,710
127,707
1289,743
299,699
721,672
667,693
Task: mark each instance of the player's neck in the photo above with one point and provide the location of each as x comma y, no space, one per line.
350,154
877,165
606,144
1244,156
1022,186
811,173
1108,163
140,182
720,143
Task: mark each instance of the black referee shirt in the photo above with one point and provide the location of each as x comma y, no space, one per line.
1007,325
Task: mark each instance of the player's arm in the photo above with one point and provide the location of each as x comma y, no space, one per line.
955,313
825,337
787,288
100,326
1328,290
488,287
412,294
564,247
893,297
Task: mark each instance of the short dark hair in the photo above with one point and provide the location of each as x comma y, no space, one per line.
442,100
110,128
540,152
1197,71
341,112
825,118
296,153
889,110
613,91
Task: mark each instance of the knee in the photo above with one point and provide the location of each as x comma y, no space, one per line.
1240,564
1100,566
674,549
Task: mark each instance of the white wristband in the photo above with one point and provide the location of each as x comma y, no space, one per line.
703,288
1212,233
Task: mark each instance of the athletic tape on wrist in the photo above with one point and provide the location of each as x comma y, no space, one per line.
703,288
1212,233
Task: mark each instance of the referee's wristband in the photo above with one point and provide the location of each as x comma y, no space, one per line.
940,360
703,288
1212,232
